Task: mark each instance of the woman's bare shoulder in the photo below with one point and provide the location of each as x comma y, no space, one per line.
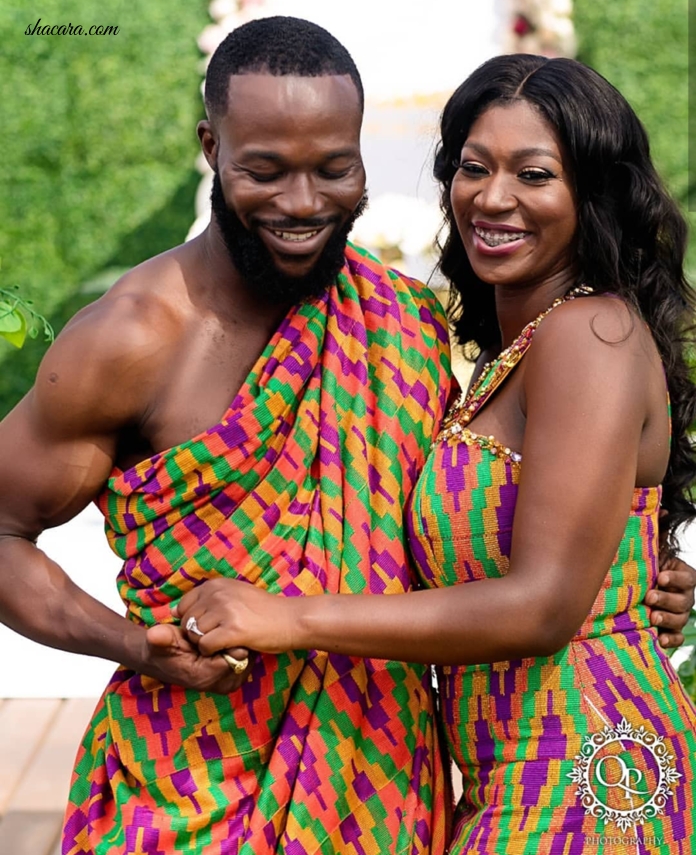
602,325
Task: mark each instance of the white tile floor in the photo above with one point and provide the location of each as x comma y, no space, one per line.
28,670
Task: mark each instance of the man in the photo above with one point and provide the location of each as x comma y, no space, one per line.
256,403
236,408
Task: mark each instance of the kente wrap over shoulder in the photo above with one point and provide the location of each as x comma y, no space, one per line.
299,489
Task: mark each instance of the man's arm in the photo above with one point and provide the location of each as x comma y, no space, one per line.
57,449
673,601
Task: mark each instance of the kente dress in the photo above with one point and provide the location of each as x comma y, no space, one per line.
592,750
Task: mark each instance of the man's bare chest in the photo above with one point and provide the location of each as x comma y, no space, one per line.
195,390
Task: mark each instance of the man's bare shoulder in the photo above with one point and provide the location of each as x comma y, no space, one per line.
107,362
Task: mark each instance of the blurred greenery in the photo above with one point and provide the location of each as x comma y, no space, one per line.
98,145
687,669
642,47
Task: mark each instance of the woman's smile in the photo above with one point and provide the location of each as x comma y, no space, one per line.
498,239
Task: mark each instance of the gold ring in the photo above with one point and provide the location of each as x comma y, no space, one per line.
237,665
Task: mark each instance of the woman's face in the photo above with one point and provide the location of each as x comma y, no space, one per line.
512,198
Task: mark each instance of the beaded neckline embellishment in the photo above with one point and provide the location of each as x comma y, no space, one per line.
454,426
490,443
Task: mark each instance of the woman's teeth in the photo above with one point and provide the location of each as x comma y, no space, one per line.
296,237
495,238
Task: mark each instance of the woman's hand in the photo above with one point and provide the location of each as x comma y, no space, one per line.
232,614
673,601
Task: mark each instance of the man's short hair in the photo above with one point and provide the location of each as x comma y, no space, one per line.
278,46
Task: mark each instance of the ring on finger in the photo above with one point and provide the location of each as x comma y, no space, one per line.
192,626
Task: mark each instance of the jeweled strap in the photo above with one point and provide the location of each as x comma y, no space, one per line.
495,372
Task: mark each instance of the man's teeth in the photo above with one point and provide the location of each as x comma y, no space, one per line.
294,236
496,238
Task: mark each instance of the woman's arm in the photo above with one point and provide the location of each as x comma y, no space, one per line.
590,389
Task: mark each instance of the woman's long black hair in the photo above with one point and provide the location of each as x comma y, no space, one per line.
631,237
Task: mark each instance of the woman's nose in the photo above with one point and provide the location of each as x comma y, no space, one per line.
496,194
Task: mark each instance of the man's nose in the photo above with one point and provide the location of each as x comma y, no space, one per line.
300,198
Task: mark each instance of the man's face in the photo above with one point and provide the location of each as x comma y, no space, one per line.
289,180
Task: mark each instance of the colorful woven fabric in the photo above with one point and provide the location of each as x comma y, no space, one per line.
515,729
299,489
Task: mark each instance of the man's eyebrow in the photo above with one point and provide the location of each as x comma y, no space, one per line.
263,154
259,154
520,152
344,152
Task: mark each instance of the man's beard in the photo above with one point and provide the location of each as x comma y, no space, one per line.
253,260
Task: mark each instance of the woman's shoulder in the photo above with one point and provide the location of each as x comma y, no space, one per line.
596,348
604,323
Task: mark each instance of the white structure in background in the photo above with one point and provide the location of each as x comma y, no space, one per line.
29,670
404,49
401,229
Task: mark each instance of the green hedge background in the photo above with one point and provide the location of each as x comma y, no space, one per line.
98,143
642,47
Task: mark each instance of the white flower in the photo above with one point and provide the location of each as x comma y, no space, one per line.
211,37
220,9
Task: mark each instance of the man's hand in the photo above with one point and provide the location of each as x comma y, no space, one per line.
673,600
169,656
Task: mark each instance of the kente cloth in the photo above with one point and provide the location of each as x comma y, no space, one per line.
592,750
299,489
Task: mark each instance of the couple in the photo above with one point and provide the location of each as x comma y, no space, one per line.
266,403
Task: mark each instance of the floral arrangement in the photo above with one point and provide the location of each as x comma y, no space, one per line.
543,27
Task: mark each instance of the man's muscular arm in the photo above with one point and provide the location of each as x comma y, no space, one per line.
57,448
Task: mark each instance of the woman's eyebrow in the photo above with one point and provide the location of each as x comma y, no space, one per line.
518,153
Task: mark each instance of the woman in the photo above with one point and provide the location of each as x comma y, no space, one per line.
543,489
